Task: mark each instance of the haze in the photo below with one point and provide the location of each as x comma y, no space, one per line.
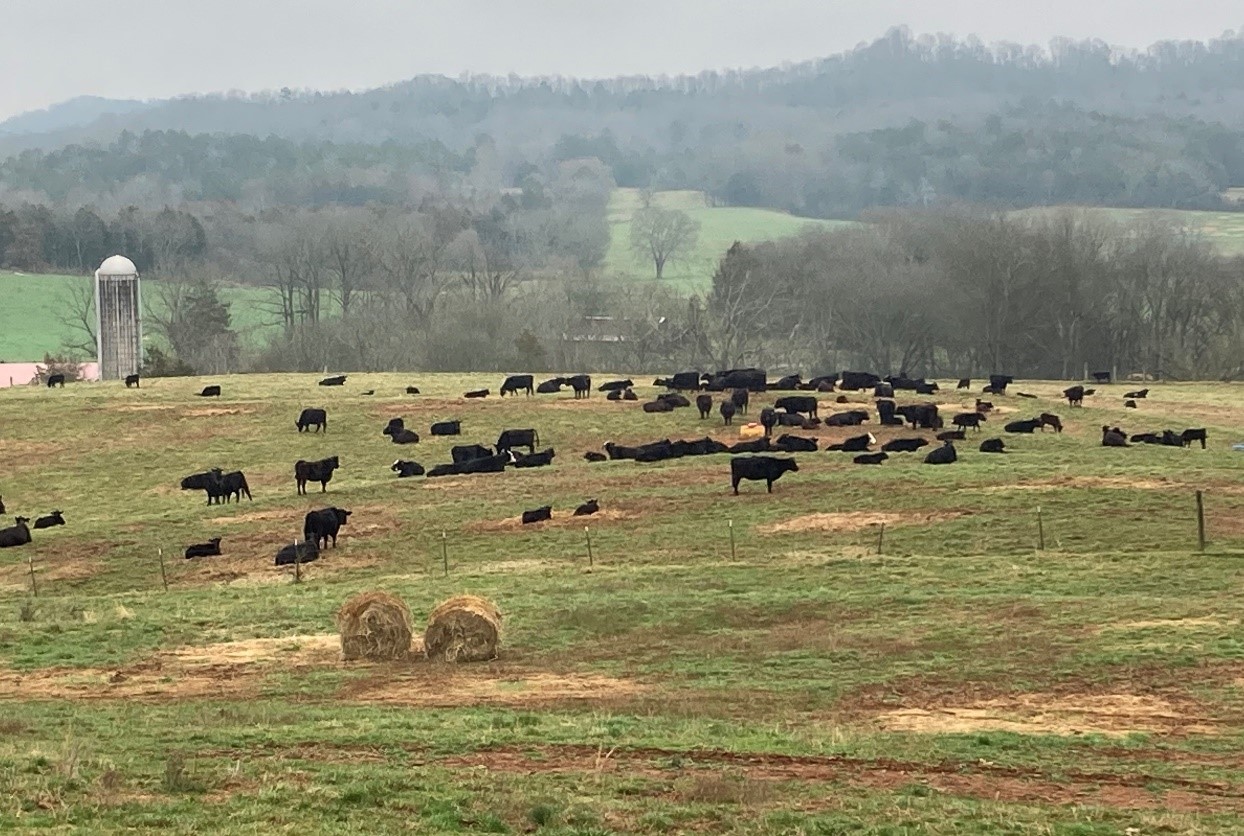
159,48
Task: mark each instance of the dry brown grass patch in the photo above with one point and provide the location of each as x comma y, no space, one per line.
562,519
857,521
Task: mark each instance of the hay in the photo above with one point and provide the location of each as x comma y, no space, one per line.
466,628
374,626
752,430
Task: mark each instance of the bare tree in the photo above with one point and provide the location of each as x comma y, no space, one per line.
663,235
77,314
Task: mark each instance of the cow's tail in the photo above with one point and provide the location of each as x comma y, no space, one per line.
535,437
245,489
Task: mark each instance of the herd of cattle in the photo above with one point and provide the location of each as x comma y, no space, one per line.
320,527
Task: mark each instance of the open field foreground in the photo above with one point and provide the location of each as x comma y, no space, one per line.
960,681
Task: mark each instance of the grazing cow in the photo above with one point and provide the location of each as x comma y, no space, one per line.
789,383
132,382
1074,395
942,455
212,391
56,380
758,468
1129,404
339,380
740,399
1049,419
516,383
447,428
405,469
467,452
755,445
951,435
964,383
476,393
551,386
50,520
1189,436
304,552
518,438
795,444
984,406
318,471
658,406
768,420
993,445
904,445
1113,437
209,549
581,384
969,419
1102,377
615,385
319,526
1027,427
404,436
414,390
538,515
674,399
870,458
593,456
855,444
309,418
1139,394
587,509
923,415
704,403
541,459
727,410
16,535
854,381
797,403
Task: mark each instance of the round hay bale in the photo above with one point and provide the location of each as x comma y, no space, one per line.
466,628
375,626
752,430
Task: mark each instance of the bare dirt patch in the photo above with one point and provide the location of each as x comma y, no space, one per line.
1211,622
140,407
853,521
213,411
1106,714
563,519
448,686
1090,482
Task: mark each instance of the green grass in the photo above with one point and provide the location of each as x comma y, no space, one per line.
1223,230
681,683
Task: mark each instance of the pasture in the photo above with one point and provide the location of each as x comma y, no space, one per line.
794,680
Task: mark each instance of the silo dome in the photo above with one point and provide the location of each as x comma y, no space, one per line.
117,265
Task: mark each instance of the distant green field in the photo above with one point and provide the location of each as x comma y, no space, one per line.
32,307
719,228
1225,230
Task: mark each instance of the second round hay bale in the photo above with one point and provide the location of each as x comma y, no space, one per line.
374,626
466,628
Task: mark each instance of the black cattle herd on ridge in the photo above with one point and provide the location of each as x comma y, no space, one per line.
735,386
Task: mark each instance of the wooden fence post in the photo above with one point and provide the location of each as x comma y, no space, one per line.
1200,521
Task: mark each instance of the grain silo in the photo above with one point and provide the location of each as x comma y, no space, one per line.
118,306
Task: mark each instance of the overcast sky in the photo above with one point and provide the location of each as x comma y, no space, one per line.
57,49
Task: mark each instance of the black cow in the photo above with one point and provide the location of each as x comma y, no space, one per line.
587,509
2,510
593,456
1102,377
541,459
924,415
393,426
759,468
789,383
550,386
615,385
132,382
317,418
1139,394
56,380
617,452
850,418
319,526
538,515
704,403
969,419
234,485
414,390
319,471
885,414
755,445
209,549
339,380
304,552
489,464
883,390
797,403
1049,419
16,535
855,444
615,395
219,486
768,420
951,435
405,469
740,399
795,444
1129,404
516,383
1151,438
1027,427
674,399
727,410
368,392
822,383
467,452
1189,436
993,445
1034,397
984,406
629,395
942,455
964,383
853,381
999,382
870,458
659,405
680,382
212,391
404,436
517,438
476,393
1074,395
904,445
1113,437
794,419
753,380
581,384
52,519
447,428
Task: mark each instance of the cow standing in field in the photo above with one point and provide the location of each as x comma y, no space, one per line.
759,468
131,381
727,411
219,486
309,418
517,438
740,398
581,384
1189,436
516,383
56,380
324,524
319,471
797,403
704,403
